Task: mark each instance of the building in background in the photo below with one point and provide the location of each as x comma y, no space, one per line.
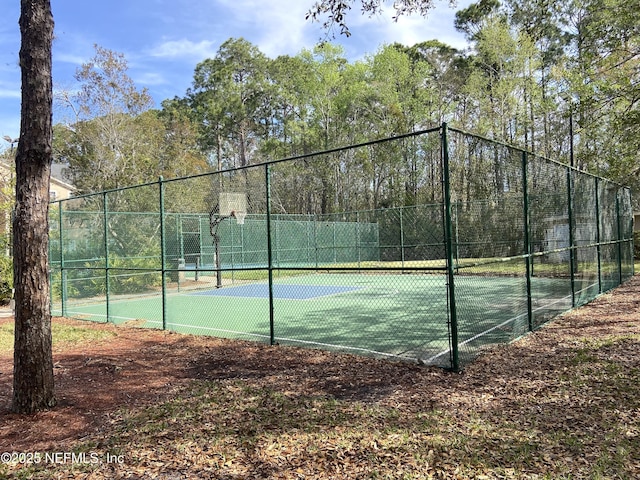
59,189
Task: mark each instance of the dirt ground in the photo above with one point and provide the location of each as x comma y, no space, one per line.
135,367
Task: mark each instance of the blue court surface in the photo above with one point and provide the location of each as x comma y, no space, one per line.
288,292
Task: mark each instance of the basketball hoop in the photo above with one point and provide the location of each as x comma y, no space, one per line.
239,216
230,204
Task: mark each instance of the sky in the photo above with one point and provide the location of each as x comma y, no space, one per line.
164,40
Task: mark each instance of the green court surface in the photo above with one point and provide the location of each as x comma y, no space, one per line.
390,315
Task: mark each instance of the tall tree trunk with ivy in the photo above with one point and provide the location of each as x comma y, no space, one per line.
33,386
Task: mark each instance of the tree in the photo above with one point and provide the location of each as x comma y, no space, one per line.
539,19
179,153
472,19
33,385
287,133
448,70
7,189
325,88
104,146
501,80
230,96
602,78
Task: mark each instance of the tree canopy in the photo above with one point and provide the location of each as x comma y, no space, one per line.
530,71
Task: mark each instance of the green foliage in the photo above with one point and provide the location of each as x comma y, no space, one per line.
115,139
7,189
532,65
230,99
336,11
127,275
56,287
126,280
6,277
133,243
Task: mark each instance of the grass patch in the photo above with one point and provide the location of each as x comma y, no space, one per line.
62,335
6,337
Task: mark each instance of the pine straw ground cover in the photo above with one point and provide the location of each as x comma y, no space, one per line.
562,403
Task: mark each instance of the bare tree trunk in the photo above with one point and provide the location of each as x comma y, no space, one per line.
33,387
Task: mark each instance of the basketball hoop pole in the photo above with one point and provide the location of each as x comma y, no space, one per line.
214,224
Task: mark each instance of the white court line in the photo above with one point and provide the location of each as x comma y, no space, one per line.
196,327
285,339
475,337
81,315
343,347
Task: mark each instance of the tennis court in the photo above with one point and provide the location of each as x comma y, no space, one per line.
385,314
490,243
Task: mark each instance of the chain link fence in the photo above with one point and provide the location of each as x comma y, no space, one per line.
425,247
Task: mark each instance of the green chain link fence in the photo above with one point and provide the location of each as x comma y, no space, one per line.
478,243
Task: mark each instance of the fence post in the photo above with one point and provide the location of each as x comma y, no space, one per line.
630,232
358,245
63,271
308,233
105,207
180,244
401,238
598,239
571,239
448,233
242,252
163,260
315,238
456,234
275,224
272,339
619,228
527,237
334,242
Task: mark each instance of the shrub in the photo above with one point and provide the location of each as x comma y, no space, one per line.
6,278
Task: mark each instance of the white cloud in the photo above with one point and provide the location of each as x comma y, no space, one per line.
72,47
184,48
71,58
276,27
10,93
409,30
147,79
279,27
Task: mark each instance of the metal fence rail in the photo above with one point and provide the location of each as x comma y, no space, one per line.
426,247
